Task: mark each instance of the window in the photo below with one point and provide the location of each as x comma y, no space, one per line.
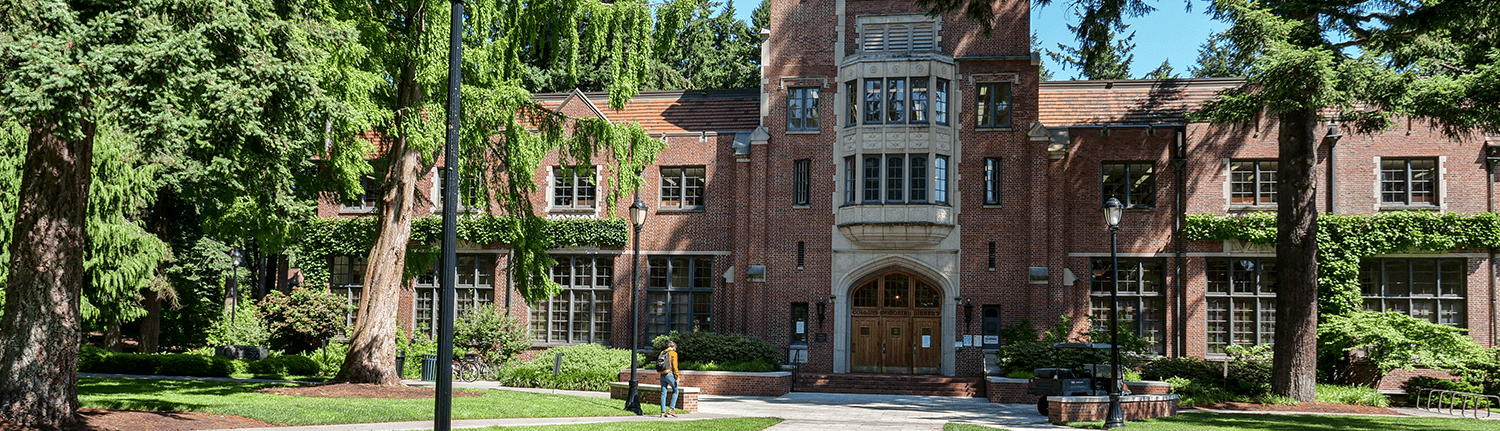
873,98
940,102
682,188
573,187
582,312
1252,182
1141,302
475,285
940,180
802,109
801,253
992,181
1408,181
851,103
466,190
1431,289
678,295
919,103
346,278
366,200
849,180
895,169
799,323
918,179
1241,302
992,104
800,180
1130,182
872,179
895,101
992,255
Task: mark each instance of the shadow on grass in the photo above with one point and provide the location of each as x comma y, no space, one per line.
1318,423
146,404
93,386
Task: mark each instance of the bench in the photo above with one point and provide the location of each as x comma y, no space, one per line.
651,394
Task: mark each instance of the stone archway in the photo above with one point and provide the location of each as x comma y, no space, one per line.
895,325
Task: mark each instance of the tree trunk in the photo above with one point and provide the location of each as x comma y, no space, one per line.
151,324
112,341
1294,365
372,347
39,333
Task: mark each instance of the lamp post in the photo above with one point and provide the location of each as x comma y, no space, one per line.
1112,212
637,218
235,259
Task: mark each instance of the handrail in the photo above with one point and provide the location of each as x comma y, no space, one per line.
1462,401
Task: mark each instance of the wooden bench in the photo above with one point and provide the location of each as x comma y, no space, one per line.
651,394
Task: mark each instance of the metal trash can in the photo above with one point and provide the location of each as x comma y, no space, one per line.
400,364
429,368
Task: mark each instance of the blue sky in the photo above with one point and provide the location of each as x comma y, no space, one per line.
1170,33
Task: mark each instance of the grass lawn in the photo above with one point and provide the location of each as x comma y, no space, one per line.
734,424
1202,421
234,398
950,426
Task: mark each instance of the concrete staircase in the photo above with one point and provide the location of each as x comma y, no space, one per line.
890,384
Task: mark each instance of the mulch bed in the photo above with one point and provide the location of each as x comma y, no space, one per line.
134,420
1301,408
131,420
352,390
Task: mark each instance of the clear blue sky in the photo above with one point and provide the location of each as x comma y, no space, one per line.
1169,33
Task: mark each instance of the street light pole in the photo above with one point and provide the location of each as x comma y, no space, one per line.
637,218
448,263
1112,212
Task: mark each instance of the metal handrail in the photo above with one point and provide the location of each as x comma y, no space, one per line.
1462,401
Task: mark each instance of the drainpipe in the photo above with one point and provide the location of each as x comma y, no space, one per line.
1180,163
1333,196
1492,157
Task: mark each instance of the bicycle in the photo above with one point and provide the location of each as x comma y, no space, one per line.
471,368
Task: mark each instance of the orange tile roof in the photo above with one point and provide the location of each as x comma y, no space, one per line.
680,111
1081,103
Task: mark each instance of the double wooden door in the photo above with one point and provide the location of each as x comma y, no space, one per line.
896,326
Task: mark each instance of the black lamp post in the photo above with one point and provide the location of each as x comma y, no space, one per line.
637,218
1112,212
235,259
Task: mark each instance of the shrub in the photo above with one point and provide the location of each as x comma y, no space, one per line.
90,357
757,366
174,364
305,319
285,365
1359,395
1415,385
416,347
1026,349
1020,374
246,329
1184,367
330,358
1387,341
721,348
1249,372
588,367
491,332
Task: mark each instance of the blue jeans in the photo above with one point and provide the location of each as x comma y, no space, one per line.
668,380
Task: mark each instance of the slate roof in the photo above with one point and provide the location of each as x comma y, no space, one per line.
680,111
1119,102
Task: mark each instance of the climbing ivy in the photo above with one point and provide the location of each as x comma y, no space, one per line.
327,237
1343,240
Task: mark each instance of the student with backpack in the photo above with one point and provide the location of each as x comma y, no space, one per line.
666,366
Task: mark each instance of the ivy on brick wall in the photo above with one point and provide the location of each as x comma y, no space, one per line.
327,237
1343,240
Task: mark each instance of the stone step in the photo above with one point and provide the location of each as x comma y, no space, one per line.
891,384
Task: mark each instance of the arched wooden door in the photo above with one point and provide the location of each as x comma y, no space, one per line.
896,325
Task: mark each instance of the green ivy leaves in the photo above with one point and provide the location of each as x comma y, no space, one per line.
1343,240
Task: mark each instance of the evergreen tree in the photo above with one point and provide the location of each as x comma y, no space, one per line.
1036,48
1219,58
224,85
1099,55
1162,72
715,51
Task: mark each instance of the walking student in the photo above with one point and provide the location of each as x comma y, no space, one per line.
667,368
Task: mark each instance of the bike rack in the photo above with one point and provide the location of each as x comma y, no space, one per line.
1438,400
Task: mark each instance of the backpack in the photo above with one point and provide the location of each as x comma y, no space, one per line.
663,361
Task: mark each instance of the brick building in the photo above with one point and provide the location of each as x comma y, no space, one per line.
901,186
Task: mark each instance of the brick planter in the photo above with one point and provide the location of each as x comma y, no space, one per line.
1008,391
1069,409
771,384
686,401
1149,387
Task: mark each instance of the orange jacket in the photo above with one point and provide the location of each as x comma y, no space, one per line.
671,364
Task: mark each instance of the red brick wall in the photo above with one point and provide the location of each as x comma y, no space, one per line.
1008,391
723,383
1097,408
686,401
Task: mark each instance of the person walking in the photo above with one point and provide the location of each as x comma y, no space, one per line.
669,372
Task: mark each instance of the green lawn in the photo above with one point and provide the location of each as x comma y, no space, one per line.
734,424
1202,421
234,398
951,426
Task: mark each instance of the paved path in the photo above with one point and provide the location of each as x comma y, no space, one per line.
819,411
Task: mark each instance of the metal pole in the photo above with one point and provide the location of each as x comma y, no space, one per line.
443,407
633,400
1116,418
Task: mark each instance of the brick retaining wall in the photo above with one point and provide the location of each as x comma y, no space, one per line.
1069,409
770,384
687,401
1013,391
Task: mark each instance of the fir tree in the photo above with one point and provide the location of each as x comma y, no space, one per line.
1162,72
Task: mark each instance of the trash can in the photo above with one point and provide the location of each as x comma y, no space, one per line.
400,364
429,368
